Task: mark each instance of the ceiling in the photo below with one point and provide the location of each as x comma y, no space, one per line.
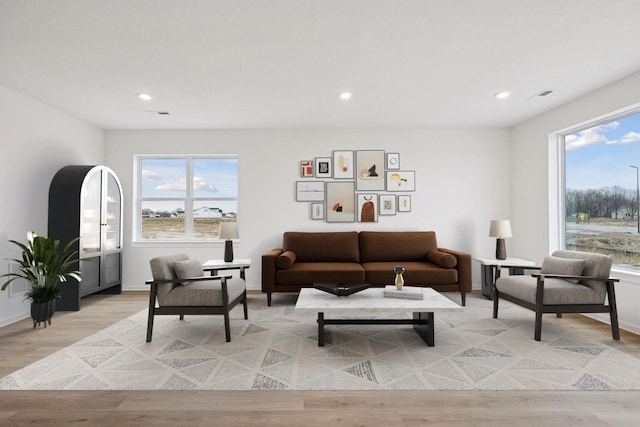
242,64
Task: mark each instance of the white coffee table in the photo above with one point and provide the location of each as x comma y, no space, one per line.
361,303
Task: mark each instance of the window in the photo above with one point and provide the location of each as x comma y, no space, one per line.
185,197
601,169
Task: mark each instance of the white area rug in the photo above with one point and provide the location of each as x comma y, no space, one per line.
277,349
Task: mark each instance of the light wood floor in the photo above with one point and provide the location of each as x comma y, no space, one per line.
21,345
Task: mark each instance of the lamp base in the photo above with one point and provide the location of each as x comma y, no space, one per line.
228,251
501,249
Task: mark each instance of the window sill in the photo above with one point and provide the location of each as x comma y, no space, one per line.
179,243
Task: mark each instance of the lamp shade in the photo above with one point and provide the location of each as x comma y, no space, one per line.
500,228
228,230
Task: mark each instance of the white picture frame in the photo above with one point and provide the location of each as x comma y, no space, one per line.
323,167
343,164
401,181
393,161
310,191
387,204
317,211
404,203
367,207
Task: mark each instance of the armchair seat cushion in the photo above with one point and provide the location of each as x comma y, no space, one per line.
204,293
556,291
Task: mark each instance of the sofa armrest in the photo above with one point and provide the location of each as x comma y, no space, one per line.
269,270
463,267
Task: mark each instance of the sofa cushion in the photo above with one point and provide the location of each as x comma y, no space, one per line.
188,268
323,247
285,260
416,273
443,259
307,273
563,266
396,246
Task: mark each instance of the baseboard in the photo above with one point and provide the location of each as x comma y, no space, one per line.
15,318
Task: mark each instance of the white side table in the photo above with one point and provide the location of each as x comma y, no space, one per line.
215,265
488,268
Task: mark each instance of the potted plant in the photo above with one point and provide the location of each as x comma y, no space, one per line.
44,265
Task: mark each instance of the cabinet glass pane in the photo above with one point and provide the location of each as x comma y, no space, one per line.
113,220
91,210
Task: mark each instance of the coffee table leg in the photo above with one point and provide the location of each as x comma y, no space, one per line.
320,329
425,327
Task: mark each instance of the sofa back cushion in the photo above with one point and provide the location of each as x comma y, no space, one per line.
396,245
322,247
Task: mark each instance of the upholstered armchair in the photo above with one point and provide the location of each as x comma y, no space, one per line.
568,282
180,287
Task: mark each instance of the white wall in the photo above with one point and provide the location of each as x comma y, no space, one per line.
37,140
530,181
461,185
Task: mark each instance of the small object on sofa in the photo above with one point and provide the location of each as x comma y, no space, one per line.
341,290
407,292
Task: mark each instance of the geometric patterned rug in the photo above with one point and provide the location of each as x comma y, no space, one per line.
276,349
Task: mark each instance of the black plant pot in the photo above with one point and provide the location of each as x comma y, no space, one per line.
42,312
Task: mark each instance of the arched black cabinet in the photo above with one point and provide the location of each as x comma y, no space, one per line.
86,201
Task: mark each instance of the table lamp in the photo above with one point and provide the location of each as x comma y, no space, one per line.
228,232
500,228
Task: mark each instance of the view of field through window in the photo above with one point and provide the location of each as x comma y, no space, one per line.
186,198
602,173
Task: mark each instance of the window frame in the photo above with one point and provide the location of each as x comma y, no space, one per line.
189,200
557,181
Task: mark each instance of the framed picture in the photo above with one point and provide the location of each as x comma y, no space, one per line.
317,210
309,191
393,161
340,203
343,165
323,167
306,169
401,181
367,207
387,204
404,203
370,170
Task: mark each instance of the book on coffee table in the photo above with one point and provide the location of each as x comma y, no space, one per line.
407,292
341,290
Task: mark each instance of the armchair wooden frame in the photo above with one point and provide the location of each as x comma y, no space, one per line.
539,308
194,309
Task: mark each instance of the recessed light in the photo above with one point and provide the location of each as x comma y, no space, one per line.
144,96
345,95
502,94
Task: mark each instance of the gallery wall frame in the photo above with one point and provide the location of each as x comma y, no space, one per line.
323,167
317,211
401,181
367,207
370,167
404,203
340,201
387,204
306,169
343,164
310,191
393,161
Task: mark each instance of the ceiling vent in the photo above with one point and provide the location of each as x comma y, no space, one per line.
545,92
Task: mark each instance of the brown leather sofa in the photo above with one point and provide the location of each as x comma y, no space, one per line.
366,256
